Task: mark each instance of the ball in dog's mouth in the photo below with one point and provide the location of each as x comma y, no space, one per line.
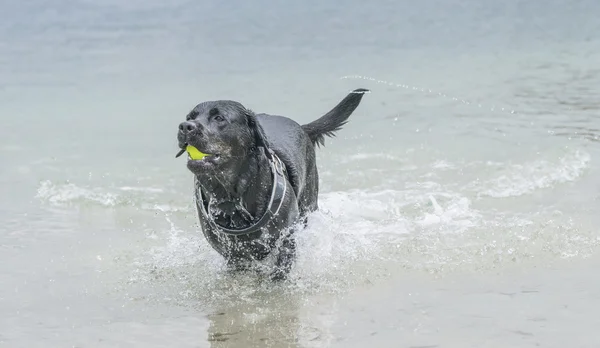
194,153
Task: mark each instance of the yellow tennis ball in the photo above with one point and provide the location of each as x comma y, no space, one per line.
194,153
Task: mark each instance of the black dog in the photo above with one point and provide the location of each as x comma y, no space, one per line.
259,180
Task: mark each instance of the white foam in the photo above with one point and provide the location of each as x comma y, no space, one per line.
146,198
69,193
457,215
369,156
142,189
521,179
442,165
165,207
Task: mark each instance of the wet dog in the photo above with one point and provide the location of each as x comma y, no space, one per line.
258,178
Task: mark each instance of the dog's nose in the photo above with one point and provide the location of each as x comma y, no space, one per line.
187,127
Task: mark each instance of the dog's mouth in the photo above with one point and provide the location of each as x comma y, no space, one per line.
197,156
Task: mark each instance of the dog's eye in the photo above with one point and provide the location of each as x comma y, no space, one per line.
219,118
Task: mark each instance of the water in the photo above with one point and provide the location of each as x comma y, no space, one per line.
458,205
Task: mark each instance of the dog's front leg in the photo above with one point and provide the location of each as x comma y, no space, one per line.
285,259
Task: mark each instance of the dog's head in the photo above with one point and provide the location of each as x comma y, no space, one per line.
224,130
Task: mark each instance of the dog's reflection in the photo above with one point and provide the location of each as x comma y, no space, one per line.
247,309
261,320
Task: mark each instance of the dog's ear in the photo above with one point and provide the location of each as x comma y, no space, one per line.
260,139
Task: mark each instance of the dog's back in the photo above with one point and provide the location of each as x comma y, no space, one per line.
295,145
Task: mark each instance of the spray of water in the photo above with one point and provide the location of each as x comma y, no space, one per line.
428,91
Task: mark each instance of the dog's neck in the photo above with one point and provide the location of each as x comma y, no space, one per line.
237,200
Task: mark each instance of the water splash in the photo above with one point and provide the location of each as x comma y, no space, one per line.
428,91
521,179
69,193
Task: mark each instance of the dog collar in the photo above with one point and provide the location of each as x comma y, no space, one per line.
275,202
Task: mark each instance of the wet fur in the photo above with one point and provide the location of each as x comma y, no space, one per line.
241,184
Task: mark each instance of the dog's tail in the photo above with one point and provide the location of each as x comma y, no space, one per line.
333,121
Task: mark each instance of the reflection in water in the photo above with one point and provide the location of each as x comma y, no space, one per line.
252,312
280,316
255,322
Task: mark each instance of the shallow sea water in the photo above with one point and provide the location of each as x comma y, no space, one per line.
457,205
